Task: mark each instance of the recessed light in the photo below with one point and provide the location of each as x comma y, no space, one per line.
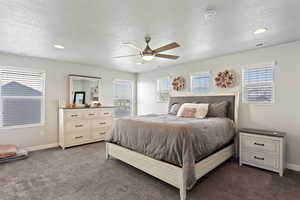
260,30
57,46
139,63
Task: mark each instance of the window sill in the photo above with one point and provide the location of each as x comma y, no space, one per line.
22,126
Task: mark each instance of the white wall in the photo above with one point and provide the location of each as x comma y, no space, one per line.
56,88
284,115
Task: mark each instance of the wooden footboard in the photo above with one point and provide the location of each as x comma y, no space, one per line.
166,172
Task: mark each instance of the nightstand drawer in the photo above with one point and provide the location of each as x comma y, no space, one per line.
261,144
261,159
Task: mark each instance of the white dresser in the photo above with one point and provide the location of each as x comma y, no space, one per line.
84,125
264,149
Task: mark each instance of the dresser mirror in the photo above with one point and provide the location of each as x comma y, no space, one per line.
84,89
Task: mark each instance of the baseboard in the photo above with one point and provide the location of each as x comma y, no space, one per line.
49,146
41,147
293,167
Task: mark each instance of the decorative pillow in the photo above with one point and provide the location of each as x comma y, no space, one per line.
174,109
218,109
201,109
189,112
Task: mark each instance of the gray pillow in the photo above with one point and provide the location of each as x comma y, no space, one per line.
218,109
174,109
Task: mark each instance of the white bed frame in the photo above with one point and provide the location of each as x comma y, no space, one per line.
170,173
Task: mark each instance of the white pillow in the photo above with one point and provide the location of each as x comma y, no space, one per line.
201,109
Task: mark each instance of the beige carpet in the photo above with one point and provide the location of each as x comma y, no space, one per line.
82,173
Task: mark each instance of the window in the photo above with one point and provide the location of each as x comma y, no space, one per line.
22,97
163,89
123,97
200,82
258,84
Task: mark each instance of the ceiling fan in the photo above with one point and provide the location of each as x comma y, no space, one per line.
148,54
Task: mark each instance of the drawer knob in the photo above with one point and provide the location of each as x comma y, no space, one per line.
258,158
74,115
78,137
101,123
91,114
78,126
102,133
106,113
259,144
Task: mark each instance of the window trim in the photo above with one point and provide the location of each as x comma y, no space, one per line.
197,74
43,97
261,65
162,91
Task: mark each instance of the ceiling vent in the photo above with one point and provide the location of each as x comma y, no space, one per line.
210,13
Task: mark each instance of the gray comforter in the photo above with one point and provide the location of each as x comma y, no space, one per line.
176,140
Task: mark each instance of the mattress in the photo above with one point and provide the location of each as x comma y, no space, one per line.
176,140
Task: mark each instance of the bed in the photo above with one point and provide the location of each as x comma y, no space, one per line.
176,150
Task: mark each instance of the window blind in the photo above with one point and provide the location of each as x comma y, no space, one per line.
200,82
122,97
163,89
122,90
258,85
22,97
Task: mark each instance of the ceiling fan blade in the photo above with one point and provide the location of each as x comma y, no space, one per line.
167,47
167,56
132,46
126,56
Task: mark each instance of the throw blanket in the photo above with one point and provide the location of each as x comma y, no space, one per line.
7,151
176,140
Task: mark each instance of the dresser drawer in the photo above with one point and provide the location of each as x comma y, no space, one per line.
73,114
261,159
106,112
76,126
77,138
90,114
260,144
101,123
101,133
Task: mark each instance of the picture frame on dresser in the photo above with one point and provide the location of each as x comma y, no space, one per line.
263,149
79,97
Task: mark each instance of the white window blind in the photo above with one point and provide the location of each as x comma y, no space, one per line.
163,89
200,82
22,97
123,97
258,84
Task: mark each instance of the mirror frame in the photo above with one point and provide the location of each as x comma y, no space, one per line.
82,77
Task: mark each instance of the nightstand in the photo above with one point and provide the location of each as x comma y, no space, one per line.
263,149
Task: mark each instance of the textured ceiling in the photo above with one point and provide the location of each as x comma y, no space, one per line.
92,30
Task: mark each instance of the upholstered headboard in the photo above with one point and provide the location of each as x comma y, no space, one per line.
231,98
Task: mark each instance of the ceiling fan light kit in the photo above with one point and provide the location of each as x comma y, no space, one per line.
149,54
148,57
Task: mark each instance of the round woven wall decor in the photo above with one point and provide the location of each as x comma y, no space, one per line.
178,83
224,79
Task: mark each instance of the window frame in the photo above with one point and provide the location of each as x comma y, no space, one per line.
158,90
43,97
132,93
198,74
262,65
